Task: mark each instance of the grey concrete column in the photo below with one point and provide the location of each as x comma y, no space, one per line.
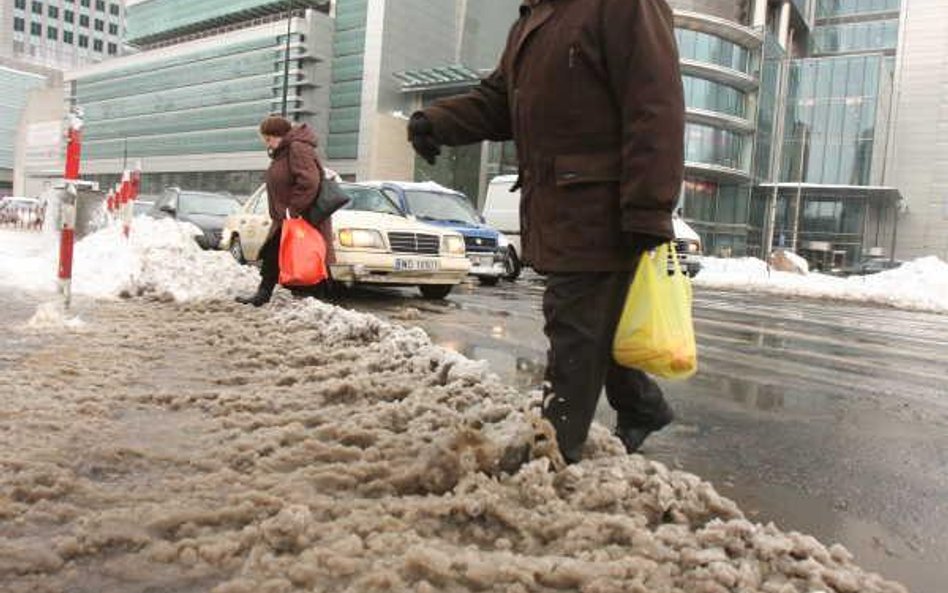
760,13
784,29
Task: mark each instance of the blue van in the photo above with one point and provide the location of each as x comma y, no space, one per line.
435,204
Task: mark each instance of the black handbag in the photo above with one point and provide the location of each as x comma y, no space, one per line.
330,198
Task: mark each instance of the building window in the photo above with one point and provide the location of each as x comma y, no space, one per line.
69,16
19,24
113,29
37,8
67,37
36,29
114,9
99,25
21,4
83,20
97,45
84,3
83,41
52,33
113,49
100,5
53,12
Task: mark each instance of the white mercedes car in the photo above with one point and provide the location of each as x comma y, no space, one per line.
373,240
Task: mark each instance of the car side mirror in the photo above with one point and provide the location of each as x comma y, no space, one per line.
480,217
167,209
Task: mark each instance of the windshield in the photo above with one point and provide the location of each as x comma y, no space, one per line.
436,206
206,204
369,199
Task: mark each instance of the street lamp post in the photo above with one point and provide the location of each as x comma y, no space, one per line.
286,54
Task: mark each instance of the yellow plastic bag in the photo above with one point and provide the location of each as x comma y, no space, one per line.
655,332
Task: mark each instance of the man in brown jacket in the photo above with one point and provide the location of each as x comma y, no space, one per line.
591,93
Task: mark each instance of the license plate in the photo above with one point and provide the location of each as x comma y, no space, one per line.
416,265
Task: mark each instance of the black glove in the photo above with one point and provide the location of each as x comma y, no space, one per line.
640,242
421,136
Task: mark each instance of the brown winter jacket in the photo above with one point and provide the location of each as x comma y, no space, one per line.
294,175
591,92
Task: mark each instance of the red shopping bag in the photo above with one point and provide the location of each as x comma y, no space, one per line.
302,254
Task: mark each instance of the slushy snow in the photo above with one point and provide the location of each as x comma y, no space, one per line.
920,285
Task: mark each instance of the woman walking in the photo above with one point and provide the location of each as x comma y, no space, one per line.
293,181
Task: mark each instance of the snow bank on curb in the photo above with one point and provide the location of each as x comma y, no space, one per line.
28,260
160,259
920,285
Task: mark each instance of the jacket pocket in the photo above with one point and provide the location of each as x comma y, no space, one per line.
576,169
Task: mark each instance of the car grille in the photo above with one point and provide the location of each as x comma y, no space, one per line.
414,243
681,246
481,244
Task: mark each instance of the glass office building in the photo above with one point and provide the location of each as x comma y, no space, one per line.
188,106
61,34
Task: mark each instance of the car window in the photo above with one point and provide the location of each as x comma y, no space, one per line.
437,206
211,204
369,199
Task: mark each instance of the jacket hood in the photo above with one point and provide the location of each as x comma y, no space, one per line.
300,133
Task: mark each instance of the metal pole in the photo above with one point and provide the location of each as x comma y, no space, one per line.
286,54
799,199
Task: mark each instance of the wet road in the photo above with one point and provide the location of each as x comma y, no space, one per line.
830,419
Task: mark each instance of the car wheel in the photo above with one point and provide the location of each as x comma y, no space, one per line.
512,265
434,292
237,250
488,280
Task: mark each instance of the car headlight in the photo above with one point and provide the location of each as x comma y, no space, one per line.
694,247
361,238
452,245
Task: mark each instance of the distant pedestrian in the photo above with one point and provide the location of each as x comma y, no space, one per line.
293,180
591,92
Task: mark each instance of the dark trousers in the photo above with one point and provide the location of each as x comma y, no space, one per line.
270,261
582,311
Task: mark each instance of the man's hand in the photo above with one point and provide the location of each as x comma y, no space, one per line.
421,136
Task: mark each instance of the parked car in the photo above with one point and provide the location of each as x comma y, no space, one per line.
874,265
446,208
21,212
374,242
688,247
142,207
502,211
205,210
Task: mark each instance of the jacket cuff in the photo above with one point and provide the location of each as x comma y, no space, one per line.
657,223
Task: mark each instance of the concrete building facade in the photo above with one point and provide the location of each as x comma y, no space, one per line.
918,157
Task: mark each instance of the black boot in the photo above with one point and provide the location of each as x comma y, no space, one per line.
257,299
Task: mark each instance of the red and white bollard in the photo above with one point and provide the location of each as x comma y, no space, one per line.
70,197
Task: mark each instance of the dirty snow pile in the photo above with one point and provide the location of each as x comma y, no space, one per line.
302,447
159,259
920,285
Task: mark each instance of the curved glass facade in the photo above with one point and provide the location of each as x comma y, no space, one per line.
714,146
704,47
713,96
